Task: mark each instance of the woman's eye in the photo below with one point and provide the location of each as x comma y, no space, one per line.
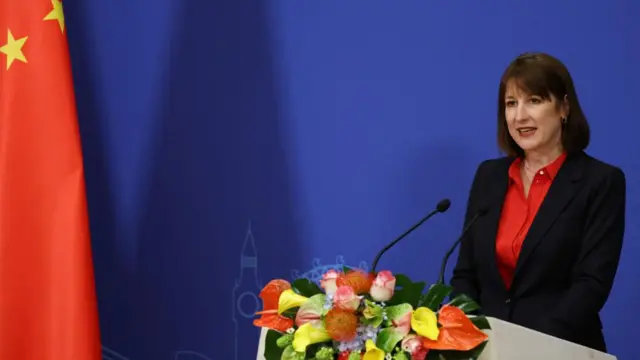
510,103
536,100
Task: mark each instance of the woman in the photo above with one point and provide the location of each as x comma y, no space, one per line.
546,252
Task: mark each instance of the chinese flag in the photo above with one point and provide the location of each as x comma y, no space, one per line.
47,297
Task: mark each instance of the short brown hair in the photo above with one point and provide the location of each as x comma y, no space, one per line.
543,75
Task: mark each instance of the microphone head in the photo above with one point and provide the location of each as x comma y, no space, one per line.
443,205
483,209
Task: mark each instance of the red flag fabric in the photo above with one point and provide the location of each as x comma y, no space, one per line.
47,297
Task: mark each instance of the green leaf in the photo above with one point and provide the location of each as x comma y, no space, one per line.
465,303
407,291
325,353
399,311
271,349
284,340
402,355
372,314
313,349
305,287
290,313
346,269
435,296
290,354
433,355
387,339
402,280
481,322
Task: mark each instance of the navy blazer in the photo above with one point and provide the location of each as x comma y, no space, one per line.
569,257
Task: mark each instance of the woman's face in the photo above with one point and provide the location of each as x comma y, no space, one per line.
535,124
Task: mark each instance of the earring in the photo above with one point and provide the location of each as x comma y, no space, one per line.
564,120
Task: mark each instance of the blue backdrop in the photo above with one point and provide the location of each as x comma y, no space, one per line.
231,142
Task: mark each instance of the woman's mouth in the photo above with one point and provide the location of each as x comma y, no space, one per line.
526,131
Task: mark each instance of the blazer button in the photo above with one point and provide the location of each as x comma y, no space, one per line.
507,301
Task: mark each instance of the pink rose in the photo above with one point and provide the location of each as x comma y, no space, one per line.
413,345
346,299
328,282
383,286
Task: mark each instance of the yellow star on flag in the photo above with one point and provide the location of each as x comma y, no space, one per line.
13,49
56,14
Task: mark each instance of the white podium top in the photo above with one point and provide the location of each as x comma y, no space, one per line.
508,341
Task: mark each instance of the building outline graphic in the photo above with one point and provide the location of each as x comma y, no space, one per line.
245,294
246,288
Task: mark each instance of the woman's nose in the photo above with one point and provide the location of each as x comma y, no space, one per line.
520,113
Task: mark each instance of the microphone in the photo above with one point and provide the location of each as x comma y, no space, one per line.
441,207
482,210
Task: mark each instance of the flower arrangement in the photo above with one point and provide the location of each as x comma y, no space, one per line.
358,315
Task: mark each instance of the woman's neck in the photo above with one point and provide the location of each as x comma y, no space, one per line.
538,159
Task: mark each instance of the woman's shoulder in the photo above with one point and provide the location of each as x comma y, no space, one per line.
598,163
495,165
594,165
598,168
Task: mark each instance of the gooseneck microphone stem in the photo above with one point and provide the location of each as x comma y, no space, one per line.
386,248
441,207
481,212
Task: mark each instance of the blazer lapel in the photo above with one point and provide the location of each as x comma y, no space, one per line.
562,191
496,194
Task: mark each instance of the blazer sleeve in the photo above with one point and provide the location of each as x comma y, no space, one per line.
598,257
464,279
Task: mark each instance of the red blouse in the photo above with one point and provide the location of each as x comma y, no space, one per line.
518,213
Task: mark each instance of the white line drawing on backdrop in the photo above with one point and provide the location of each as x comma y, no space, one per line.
246,288
189,355
108,354
248,285
317,269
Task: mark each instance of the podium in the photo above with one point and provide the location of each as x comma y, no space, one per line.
513,342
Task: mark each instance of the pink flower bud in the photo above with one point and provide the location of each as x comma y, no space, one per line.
328,281
383,286
346,299
413,345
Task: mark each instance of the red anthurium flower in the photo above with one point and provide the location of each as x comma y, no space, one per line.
270,318
457,332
